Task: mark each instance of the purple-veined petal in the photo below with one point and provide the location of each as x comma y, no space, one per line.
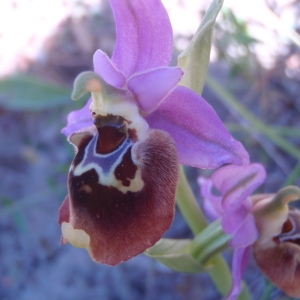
78,120
236,183
239,263
107,70
144,35
149,88
201,138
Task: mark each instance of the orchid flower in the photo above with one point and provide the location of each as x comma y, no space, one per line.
131,136
234,207
277,250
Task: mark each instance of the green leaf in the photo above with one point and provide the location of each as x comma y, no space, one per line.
22,92
194,59
255,123
175,255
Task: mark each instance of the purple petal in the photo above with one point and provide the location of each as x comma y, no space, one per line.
201,138
236,183
144,35
151,87
78,120
246,232
239,263
211,203
233,219
107,70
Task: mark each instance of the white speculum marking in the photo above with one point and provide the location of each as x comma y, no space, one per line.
106,164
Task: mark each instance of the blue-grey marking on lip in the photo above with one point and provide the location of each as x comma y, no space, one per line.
106,161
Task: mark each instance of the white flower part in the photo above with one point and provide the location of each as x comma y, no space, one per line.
76,237
118,106
98,104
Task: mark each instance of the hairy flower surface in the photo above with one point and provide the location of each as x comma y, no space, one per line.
234,207
131,136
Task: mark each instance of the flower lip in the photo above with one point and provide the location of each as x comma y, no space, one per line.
278,257
290,231
112,206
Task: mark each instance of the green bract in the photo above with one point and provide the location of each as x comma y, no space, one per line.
194,59
191,256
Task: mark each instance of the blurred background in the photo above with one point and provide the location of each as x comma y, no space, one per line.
253,84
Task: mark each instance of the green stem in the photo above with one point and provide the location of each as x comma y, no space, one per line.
221,274
188,205
256,124
186,201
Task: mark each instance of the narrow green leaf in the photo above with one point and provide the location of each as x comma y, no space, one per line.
175,255
188,205
294,176
22,92
194,59
255,123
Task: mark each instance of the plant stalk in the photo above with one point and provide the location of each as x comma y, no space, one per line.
187,203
